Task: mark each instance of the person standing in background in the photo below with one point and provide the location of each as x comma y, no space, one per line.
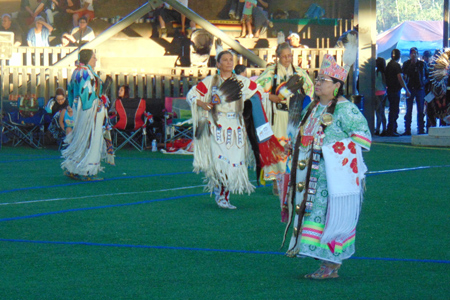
247,14
380,93
394,84
415,72
430,115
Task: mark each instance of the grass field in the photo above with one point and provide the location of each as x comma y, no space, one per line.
149,231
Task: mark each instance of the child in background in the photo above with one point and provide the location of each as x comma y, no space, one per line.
240,70
66,119
247,18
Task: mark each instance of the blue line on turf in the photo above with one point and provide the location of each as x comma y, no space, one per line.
99,207
149,201
26,160
117,158
87,182
211,250
372,173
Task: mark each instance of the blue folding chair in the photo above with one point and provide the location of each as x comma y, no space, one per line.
25,128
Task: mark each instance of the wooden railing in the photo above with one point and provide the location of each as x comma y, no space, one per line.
38,56
48,56
165,82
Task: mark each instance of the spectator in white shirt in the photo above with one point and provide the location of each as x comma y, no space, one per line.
79,35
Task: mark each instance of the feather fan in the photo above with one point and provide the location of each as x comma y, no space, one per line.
350,43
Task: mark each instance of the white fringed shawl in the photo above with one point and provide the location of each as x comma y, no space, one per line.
345,171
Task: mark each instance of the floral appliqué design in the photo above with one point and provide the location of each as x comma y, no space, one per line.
354,166
352,147
339,148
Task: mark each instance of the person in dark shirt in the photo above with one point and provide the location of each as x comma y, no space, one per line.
9,26
415,72
63,20
260,17
394,84
49,7
26,15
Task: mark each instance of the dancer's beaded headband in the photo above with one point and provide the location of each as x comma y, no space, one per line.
330,68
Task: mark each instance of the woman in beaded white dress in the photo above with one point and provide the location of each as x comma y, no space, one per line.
221,148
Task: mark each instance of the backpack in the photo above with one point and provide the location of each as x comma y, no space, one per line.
28,106
315,12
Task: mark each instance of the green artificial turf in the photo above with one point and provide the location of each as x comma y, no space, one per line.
149,231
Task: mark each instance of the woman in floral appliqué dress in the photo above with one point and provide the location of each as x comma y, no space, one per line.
327,175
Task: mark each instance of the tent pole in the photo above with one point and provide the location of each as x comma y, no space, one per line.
446,17
107,34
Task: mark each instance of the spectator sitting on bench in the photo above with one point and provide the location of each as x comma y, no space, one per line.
86,10
49,8
166,14
79,35
294,41
62,19
261,17
26,16
38,35
9,26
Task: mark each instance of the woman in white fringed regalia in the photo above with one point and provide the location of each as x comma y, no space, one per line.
227,111
87,143
277,105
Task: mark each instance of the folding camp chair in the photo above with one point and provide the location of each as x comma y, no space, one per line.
26,127
130,124
178,120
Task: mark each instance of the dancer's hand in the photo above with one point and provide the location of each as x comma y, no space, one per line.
275,98
287,148
206,106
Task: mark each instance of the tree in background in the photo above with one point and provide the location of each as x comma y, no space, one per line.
390,13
